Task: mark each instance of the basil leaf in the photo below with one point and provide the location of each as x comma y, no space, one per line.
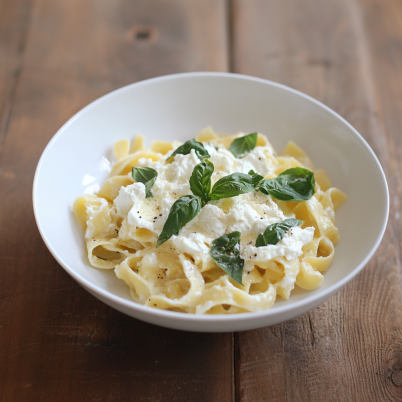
234,184
183,211
186,148
296,184
225,251
145,175
200,180
274,233
240,147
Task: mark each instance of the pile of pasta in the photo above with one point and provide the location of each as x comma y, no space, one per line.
167,278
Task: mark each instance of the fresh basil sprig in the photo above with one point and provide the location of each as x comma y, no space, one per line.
295,184
200,180
240,147
234,184
275,232
186,148
146,176
225,251
183,211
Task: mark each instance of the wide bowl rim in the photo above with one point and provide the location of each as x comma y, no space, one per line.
310,300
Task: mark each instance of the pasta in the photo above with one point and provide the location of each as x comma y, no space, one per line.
123,224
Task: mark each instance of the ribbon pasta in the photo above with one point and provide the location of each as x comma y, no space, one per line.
122,226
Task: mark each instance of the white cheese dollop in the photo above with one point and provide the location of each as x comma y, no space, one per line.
129,197
289,247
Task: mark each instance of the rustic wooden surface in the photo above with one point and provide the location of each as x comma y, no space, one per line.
348,55
57,342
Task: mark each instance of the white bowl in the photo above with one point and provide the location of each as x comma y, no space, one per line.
178,107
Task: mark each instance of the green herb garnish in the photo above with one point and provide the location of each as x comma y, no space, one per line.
146,176
234,184
240,147
274,233
200,180
183,211
225,251
186,148
295,184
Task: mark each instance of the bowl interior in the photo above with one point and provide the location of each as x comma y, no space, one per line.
78,158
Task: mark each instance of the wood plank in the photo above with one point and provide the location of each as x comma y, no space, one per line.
346,54
12,43
57,342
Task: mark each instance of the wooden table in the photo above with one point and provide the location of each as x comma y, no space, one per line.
57,342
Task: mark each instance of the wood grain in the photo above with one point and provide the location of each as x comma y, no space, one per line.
12,44
348,55
57,342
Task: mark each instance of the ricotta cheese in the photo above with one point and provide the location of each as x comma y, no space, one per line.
249,213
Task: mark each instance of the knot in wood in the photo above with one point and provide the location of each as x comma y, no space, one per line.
396,377
142,34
